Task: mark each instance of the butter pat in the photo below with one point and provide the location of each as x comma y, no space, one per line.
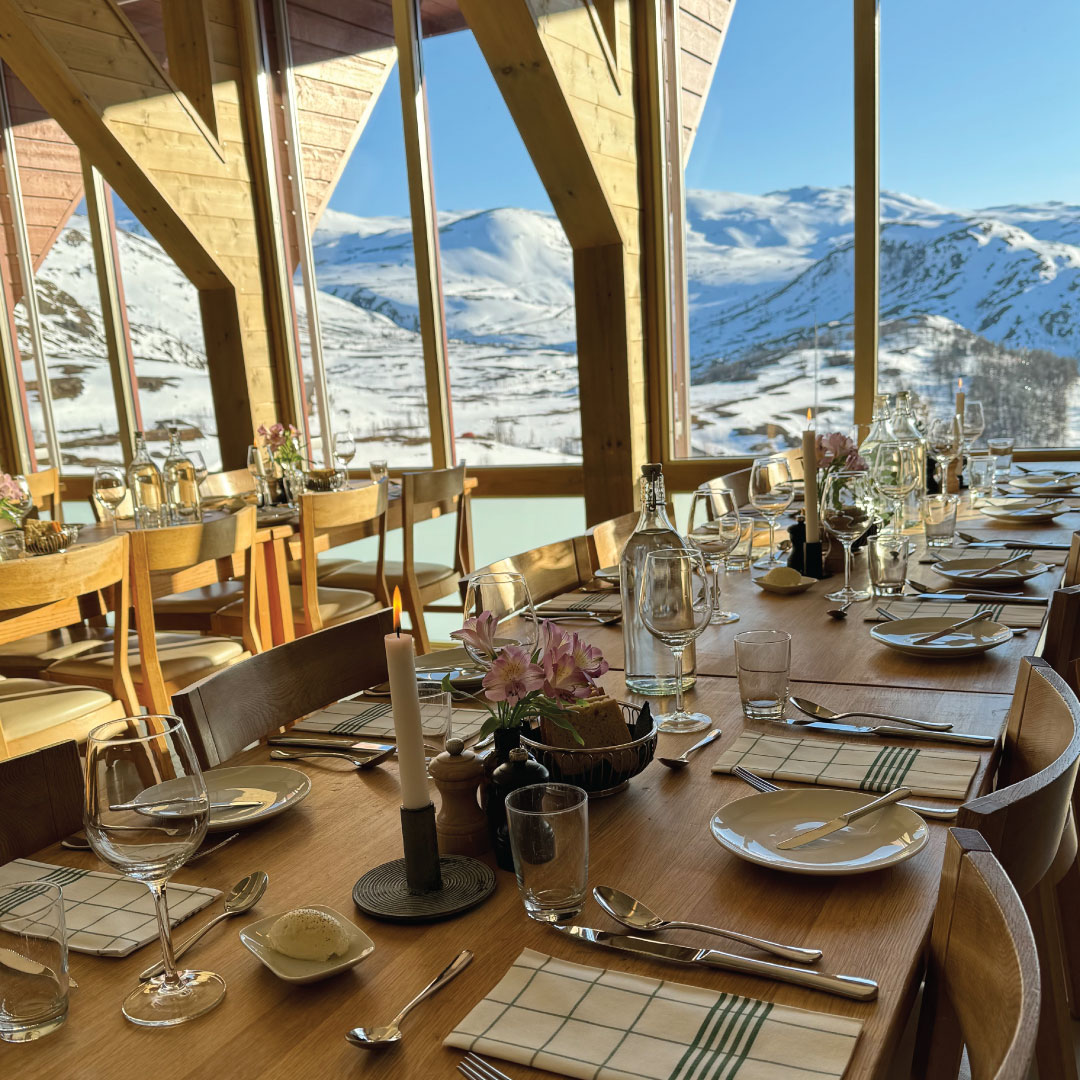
307,934
783,575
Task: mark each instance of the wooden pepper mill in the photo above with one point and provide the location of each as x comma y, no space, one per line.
461,824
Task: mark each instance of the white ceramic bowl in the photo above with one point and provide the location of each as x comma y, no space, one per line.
784,590
292,970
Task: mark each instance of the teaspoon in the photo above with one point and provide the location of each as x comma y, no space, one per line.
840,612
682,761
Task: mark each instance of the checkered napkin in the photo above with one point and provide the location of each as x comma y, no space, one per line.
606,603
933,555
1015,615
105,914
945,773
600,1024
376,721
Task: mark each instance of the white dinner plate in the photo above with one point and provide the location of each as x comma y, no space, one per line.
976,638
784,590
465,673
292,970
275,788
1017,511
609,573
751,828
1045,484
963,571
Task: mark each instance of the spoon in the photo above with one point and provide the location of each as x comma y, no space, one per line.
681,761
391,1033
819,712
360,763
243,896
840,612
633,913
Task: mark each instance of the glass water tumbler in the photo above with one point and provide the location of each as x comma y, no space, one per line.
763,661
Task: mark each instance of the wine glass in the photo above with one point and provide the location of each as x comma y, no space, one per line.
146,813
110,487
344,447
973,422
25,503
894,472
378,470
715,529
946,438
847,512
771,492
675,606
201,471
505,594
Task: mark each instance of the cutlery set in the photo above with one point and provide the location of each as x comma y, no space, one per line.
822,719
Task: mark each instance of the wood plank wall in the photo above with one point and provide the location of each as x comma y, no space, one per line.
702,29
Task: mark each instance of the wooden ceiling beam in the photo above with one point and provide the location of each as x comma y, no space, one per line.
187,39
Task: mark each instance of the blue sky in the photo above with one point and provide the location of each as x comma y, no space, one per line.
978,107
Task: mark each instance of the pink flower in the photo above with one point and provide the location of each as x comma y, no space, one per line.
479,632
563,678
838,449
9,489
588,658
513,676
552,637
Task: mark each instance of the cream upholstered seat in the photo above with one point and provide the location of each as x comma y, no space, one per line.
27,657
183,658
202,601
363,575
30,706
335,605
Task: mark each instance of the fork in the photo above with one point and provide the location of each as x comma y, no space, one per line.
759,783
476,1068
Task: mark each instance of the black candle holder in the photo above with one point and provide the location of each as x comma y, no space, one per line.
423,886
813,562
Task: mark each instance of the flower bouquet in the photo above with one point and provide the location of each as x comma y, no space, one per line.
284,443
12,500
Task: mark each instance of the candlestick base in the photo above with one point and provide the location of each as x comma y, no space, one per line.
384,893
813,565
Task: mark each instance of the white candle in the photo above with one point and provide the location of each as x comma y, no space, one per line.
405,704
960,398
809,458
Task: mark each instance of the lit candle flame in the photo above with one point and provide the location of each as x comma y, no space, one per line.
959,384
397,610
808,418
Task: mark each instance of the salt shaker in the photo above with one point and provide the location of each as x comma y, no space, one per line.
460,823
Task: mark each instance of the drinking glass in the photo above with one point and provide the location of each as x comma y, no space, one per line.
1002,449
12,545
257,467
378,471
888,556
33,996
894,473
506,595
946,440
676,605
973,422
201,471
939,519
110,487
25,503
742,554
847,512
549,838
434,705
763,663
345,448
771,492
981,469
146,814
715,528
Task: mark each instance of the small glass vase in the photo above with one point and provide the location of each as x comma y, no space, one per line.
292,476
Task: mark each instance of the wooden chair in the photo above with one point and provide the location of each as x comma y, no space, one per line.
1028,824
423,495
124,512
607,539
46,593
1059,645
170,561
41,799
738,483
45,491
250,701
1072,563
983,980
548,571
233,482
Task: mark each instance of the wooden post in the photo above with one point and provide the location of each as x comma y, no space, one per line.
425,230
16,448
187,39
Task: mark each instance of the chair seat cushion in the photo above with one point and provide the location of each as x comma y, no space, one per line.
30,655
183,658
361,575
28,706
335,605
203,601
326,566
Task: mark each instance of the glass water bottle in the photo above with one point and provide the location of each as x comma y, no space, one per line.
650,668
880,431
906,431
181,484
146,487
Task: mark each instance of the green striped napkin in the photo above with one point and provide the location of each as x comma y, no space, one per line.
945,773
607,602
600,1024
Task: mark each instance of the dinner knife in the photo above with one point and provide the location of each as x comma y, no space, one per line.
843,821
849,986
330,742
978,598
900,732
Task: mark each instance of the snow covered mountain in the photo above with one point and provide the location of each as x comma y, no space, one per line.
993,295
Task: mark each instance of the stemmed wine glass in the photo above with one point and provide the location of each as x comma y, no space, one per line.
946,440
847,512
894,472
771,492
344,447
110,487
675,606
146,813
715,529
505,594
201,471
973,422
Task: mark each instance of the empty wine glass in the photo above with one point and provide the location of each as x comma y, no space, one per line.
847,512
676,605
146,813
196,459
507,596
771,492
257,467
973,421
110,487
894,472
344,447
946,439
715,529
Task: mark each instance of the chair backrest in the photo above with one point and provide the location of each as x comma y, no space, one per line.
1023,820
1060,642
607,539
795,462
320,511
233,482
41,799
124,512
983,969
45,491
433,493
257,697
1072,563
548,570
738,483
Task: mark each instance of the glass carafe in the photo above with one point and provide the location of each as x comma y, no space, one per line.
906,431
650,668
146,487
881,431
181,484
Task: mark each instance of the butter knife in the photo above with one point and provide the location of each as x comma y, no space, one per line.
978,598
900,733
844,820
849,986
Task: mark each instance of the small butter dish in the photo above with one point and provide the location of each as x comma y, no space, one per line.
803,584
255,938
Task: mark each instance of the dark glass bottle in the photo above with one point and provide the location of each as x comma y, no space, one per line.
520,771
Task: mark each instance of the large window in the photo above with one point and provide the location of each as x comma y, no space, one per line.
769,229
980,234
